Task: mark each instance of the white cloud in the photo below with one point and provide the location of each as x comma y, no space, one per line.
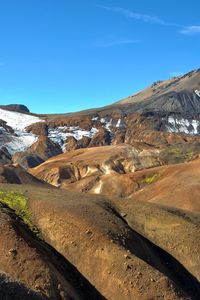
115,43
190,30
138,16
186,30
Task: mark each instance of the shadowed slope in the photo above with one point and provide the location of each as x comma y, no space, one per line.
88,231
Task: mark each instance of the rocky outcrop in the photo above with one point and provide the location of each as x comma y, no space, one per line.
38,129
5,156
45,148
15,174
102,138
4,128
73,144
40,151
110,170
16,107
27,159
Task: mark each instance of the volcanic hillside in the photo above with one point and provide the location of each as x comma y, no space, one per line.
163,114
103,203
74,246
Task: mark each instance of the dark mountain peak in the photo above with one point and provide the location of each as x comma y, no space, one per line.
16,107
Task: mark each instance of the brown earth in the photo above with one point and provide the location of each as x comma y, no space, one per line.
30,261
116,245
123,171
175,186
15,174
139,237
87,166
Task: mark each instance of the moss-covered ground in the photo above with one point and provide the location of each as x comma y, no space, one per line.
18,203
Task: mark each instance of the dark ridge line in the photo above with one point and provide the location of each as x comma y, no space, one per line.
14,290
152,254
71,274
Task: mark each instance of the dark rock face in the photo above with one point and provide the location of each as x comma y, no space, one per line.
183,102
102,138
38,129
5,157
4,128
16,107
73,144
15,174
27,159
37,153
13,290
45,148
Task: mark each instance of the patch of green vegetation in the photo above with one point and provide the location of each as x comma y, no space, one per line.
150,179
175,151
178,153
189,154
19,204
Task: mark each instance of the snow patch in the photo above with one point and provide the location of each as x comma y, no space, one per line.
60,134
95,118
197,92
108,124
20,143
22,140
183,125
18,121
103,120
119,123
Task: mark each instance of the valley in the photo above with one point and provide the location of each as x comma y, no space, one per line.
103,203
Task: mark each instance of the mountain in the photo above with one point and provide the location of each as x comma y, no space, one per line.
184,90
165,113
103,203
16,107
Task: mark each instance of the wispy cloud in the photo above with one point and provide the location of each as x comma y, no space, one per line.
138,16
190,30
183,29
108,44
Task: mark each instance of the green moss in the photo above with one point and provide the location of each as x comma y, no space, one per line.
178,153
19,204
150,179
175,151
189,154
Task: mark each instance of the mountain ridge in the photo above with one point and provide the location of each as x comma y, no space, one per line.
103,204
146,93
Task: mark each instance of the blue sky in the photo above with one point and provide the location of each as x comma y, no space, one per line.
68,55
